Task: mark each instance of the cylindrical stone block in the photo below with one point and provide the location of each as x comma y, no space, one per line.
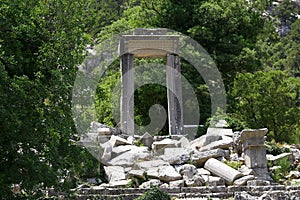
222,170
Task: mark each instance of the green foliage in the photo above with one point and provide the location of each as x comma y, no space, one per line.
268,99
273,148
283,170
154,194
234,164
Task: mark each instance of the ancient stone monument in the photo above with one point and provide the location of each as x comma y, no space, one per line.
150,43
255,151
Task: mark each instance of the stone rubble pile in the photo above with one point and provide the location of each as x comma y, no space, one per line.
173,161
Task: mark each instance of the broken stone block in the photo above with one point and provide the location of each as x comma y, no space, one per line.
164,185
158,147
119,184
152,182
168,173
220,144
153,172
243,181
201,157
103,131
201,171
220,131
222,170
258,182
145,165
137,174
213,180
176,184
184,143
255,151
293,175
176,156
114,173
187,170
195,181
147,140
275,159
117,141
245,170
204,140
129,158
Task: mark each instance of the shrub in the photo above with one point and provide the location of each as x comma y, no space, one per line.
154,194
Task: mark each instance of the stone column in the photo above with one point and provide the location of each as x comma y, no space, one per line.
174,94
255,151
127,99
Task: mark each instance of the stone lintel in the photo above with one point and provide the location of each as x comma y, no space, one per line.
149,31
148,46
253,133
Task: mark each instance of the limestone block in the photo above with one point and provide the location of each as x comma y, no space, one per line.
168,173
119,184
176,184
219,131
205,140
213,180
222,170
147,140
201,171
187,170
103,131
201,157
145,165
136,173
176,156
117,141
258,182
158,147
152,182
195,181
243,181
114,173
129,158
220,144
245,170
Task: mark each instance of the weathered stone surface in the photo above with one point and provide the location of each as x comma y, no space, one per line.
107,153
219,131
152,182
176,184
147,140
116,151
245,170
184,143
153,172
213,180
103,131
176,156
293,175
114,173
136,173
244,196
128,158
164,185
158,147
119,184
187,170
255,151
204,140
237,143
117,141
150,164
225,143
195,181
201,171
258,182
201,157
168,173
274,159
222,170
243,180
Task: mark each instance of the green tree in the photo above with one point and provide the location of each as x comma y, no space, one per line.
268,99
41,42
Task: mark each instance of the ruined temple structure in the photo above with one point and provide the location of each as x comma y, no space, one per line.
150,43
